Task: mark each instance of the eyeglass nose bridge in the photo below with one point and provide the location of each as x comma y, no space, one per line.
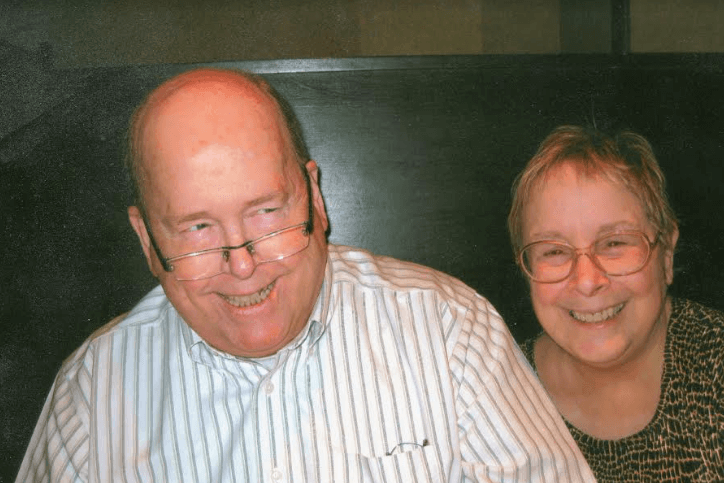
577,253
245,250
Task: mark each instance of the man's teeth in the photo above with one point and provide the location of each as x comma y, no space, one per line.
247,300
598,316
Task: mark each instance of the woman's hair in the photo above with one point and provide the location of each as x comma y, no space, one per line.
626,159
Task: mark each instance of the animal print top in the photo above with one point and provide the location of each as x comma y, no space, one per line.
685,439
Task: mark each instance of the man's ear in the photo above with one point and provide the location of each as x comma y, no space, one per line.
139,226
669,256
317,200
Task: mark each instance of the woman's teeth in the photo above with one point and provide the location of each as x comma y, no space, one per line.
247,300
598,316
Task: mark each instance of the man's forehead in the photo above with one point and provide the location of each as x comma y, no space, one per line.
206,108
217,99
209,81
206,98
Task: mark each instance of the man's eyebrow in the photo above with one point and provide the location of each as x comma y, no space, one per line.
260,200
189,217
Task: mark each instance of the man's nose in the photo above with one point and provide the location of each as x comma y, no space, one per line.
241,263
587,277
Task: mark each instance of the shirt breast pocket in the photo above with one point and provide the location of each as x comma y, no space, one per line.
417,464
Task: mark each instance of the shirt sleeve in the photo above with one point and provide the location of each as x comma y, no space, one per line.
58,449
509,429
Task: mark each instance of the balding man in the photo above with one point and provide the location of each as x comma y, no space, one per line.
267,354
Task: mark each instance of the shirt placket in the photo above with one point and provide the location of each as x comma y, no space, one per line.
274,447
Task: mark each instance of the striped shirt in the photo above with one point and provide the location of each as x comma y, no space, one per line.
403,374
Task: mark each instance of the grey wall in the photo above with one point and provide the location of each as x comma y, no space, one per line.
79,33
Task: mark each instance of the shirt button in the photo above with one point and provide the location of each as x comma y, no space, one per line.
276,474
269,388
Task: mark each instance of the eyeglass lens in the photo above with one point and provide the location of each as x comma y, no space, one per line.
275,246
617,254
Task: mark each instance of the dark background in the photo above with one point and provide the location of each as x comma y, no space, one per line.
417,156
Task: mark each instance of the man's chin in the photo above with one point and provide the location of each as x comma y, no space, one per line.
263,340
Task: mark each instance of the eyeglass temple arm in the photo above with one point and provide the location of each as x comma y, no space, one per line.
310,213
164,261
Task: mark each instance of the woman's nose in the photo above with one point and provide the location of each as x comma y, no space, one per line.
587,276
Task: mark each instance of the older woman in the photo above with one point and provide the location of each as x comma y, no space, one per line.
638,376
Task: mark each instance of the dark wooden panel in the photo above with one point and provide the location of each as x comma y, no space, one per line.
586,26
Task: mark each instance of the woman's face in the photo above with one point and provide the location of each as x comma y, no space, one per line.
600,320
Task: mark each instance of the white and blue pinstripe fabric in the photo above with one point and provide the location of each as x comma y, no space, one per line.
396,358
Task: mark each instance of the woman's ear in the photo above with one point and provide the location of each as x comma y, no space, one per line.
669,256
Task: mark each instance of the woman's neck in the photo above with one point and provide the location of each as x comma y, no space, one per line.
609,402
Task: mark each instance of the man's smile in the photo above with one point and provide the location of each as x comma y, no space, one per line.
251,299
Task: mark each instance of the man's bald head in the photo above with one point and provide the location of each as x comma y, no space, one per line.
249,88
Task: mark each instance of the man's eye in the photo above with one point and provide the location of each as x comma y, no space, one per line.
264,211
198,227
